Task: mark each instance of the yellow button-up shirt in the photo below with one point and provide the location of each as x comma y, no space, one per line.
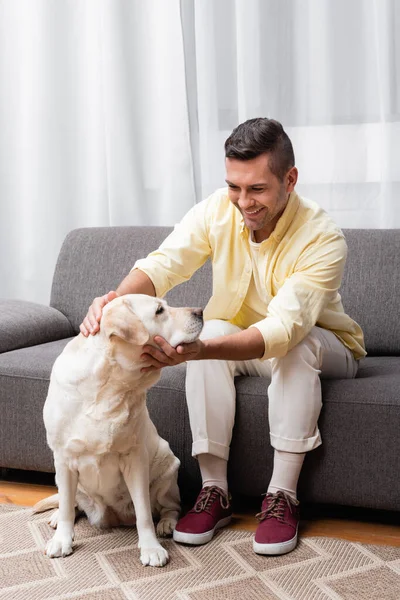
303,261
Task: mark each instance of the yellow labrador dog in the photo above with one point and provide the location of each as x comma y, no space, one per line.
110,461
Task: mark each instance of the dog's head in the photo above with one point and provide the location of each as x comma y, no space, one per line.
137,319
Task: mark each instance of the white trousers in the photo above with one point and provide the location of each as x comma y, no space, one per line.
294,392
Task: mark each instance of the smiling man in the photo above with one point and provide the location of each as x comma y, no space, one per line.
275,312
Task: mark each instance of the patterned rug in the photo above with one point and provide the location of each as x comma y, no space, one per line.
105,566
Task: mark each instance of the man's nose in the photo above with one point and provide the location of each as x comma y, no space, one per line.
245,201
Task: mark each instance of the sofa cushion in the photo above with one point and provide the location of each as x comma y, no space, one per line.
27,324
93,261
109,254
340,471
357,463
371,287
24,381
357,415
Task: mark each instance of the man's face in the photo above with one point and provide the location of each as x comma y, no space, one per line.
257,193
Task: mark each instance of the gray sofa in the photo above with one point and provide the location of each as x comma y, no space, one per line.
358,463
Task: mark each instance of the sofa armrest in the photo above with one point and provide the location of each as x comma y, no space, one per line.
24,324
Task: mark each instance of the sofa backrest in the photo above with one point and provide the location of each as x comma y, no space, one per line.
371,287
93,261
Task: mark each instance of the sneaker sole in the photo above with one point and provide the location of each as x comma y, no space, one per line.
197,539
278,548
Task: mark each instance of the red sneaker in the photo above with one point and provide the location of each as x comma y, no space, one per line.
279,522
211,511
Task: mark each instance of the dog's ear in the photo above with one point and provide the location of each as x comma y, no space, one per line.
121,321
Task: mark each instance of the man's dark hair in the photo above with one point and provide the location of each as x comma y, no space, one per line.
259,136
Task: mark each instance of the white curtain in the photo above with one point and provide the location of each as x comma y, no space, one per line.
115,112
94,127
330,72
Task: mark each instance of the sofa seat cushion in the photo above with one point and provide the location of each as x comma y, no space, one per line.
34,362
340,469
24,381
360,424
356,414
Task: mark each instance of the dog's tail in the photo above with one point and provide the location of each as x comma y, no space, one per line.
46,504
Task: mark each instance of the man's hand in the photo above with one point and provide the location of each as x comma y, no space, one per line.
91,322
167,356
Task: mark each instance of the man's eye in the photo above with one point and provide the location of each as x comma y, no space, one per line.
159,310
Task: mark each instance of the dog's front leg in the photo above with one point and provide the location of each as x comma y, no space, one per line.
135,470
61,543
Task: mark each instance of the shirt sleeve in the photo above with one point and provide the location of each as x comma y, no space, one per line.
184,251
304,295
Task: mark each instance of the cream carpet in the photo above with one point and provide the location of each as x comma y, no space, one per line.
105,566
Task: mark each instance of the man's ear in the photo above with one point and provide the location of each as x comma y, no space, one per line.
122,322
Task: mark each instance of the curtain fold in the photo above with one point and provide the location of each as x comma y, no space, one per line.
94,127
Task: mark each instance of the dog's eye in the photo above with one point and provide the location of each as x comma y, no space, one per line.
159,310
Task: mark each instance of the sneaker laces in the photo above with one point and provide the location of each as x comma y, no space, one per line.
208,495
276,507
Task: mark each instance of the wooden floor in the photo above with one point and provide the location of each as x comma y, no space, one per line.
358,525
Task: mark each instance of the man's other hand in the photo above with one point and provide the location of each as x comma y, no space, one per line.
91,323
168,356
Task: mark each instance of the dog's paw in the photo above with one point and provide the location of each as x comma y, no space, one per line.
54,519
59,546
165,527
155,557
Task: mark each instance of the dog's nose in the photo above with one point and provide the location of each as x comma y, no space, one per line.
197,312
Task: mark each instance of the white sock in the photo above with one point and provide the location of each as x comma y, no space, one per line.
286,473
213,471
